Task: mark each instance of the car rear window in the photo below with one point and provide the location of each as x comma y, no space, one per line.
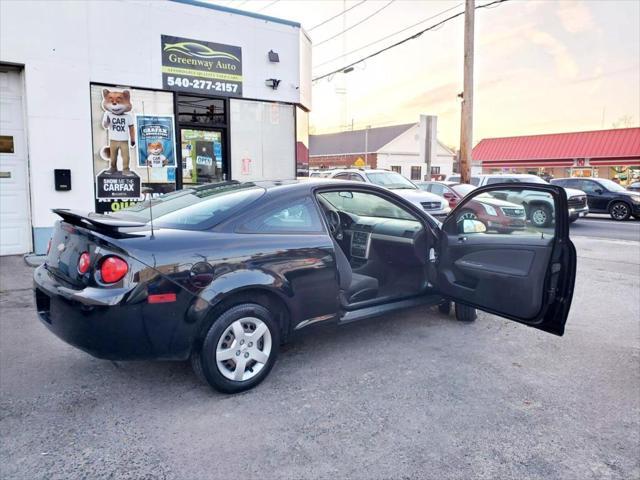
197,208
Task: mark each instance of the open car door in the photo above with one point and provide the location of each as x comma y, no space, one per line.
505,249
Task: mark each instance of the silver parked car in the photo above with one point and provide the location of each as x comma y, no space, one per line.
429,202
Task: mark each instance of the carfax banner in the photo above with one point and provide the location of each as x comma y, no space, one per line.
201,67
155,141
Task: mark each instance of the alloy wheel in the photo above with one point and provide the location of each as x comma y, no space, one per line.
539,217
243,349
620,211
468,216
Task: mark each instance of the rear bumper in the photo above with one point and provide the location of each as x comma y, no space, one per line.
103,324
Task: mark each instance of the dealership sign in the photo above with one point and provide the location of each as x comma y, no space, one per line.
201,67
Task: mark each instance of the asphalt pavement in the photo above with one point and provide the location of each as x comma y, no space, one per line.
407,396
602,226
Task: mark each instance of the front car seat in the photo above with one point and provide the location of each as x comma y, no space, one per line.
354,287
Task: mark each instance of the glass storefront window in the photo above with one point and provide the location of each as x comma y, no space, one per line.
134,151
201,156
201,111
263,141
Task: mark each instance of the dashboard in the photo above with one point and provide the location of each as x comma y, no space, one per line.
363,231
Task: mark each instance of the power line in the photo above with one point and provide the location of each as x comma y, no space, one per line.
404,40
336,16
354,25
389,36
268,5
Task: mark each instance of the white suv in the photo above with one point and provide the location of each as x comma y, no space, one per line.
429,202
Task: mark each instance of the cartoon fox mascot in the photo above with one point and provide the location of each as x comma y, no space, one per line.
156,157
120,126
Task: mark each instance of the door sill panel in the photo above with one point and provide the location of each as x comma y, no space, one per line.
377,310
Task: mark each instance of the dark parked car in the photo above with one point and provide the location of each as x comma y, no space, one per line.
224,273
634,187
495,213
605,196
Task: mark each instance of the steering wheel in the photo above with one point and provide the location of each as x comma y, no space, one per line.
335,227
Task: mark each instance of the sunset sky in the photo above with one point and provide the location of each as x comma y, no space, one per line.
541,65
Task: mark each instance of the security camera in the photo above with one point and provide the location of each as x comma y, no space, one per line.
272,82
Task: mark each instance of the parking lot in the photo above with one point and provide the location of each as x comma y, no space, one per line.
411,395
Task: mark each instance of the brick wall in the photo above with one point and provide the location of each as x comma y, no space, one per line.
342,161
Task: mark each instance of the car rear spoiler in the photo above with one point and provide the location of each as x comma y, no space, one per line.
95,221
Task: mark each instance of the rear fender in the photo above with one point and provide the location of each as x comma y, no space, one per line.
235,282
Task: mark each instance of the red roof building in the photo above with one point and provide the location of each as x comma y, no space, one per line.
601,153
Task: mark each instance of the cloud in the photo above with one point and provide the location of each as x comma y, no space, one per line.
566,66
576,17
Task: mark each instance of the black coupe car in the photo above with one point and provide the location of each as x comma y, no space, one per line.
224,273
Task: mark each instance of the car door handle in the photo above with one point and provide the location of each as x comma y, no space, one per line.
462,239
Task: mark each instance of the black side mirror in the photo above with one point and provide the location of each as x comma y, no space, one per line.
599,191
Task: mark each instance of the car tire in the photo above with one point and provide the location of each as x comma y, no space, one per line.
620,211
465,313
230,360
445,307
467,214
540,216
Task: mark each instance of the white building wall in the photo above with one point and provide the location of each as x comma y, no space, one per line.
66,45
403,151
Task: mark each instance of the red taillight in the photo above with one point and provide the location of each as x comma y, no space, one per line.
113,269
84,262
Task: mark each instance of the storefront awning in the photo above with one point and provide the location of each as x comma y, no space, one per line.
600,147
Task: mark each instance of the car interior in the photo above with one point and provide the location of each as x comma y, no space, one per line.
381,249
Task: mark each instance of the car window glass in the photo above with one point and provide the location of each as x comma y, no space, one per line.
390,180
589,187
494,180
475,181
437,189
195,209
342,176
366,205
463,189
357,177
509,211
300,217
606,184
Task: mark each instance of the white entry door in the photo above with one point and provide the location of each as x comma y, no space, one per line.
15,224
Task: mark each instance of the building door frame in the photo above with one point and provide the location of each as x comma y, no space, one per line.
17,172
223,127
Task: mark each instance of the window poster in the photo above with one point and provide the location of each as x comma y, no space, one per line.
133,145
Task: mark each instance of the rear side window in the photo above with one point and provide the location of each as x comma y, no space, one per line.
196,209
301,216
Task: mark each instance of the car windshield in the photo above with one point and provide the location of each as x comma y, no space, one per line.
463,189
533,179
195,208
611,185
390,180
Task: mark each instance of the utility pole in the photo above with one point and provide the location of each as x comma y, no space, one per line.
466,125
366,146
